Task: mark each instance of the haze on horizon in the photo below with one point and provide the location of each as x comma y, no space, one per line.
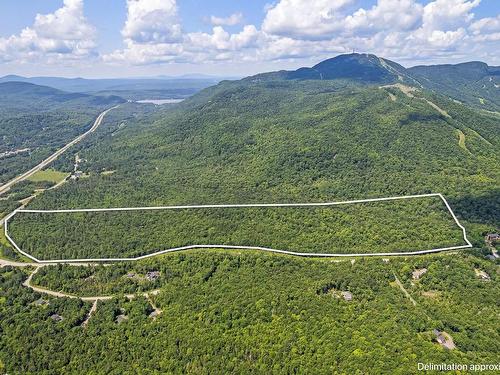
145,38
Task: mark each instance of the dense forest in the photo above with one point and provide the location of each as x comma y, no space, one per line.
373,227
272,140
288,141
221,312
35,121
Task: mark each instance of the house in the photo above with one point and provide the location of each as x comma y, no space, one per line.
493,237
75,176
439,337
121,318
154,314
418,273
347,295
56,317
152,275
444,339
482,275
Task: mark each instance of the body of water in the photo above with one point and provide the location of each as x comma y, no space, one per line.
160,101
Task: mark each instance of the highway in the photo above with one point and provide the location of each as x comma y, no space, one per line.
5,187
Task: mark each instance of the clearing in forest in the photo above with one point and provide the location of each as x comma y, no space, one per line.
385,226
48,175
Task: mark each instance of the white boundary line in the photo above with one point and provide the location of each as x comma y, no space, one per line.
419,252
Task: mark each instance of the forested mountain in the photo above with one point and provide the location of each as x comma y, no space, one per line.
289,140
352,127
474,82
364,68
36,120
21,97
129,88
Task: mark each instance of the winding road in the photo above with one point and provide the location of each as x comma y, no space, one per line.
5,187
27,283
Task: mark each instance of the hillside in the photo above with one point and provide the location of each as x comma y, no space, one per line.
362,68
36,120
129,88
351,127
22,97
474,83
294,141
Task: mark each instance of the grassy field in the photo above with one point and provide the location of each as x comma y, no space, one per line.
48,175
375,227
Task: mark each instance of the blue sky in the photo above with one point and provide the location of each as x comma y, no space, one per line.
97,38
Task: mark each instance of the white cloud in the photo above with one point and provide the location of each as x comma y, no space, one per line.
222,40
486,30
298,29
305,19
448,14
486,25
233,19
62,35
152,21
394,15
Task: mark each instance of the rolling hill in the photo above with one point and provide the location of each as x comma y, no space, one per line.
129,88
474,83
352,127
289,140
363,68
36,120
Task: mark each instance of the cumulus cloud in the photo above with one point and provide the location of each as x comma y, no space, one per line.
152,21
305,19
394,15
233,19
295,29
448,14
64,34
486,30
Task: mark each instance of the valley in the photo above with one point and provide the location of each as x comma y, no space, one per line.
307,162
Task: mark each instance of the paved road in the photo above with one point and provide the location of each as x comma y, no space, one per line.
55,155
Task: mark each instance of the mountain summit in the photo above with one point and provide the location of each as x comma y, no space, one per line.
360,67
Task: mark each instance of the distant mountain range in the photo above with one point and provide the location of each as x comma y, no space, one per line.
129,88
475,82
27,97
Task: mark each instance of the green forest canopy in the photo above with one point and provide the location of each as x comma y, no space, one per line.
371,227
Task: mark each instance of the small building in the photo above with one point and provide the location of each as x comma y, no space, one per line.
444,339
482,275
121,318
56,317
493,237
130,275
152,275
439,337
347,295
417,274
76,175
154,314
41,302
